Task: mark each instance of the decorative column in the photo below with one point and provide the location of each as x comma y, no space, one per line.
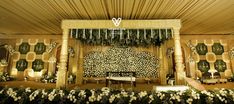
162,67
62,70
180,74
79,75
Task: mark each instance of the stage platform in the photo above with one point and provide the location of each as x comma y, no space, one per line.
139,87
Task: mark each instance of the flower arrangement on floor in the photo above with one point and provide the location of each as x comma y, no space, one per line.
53,78
108,96
49,79
6,77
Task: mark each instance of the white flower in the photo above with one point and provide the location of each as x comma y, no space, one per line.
162,96
82,94
1,91
74,101
28,89
112,98
189,100
61,93
105,91
92,98
142,94
99,97
125,94
132,98
52,95
72,92
151,98
33,95
117,96
44,93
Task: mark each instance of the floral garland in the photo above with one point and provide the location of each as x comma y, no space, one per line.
120,59
108,96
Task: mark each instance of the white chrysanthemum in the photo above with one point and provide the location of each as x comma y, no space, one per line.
28,89
151,97
132,98
13,94
177,98
61,93
43,93
125,94
112,98
82,94
33,95
92,98
142,94
117,95
52,95
99,97
189,100
72,92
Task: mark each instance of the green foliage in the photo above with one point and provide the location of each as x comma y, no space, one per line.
201,49
203,66
113,96
122,37
24,48
21,65
217,48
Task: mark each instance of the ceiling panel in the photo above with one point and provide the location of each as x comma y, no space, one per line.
45,16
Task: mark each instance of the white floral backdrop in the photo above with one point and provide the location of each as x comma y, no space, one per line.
117,59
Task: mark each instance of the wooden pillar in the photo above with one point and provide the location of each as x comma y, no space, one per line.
180,74
79,75
62,70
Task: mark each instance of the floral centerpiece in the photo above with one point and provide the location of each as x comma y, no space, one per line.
113,96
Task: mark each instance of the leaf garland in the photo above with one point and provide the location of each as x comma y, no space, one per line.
122,37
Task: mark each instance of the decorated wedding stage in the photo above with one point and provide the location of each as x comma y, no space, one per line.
129,61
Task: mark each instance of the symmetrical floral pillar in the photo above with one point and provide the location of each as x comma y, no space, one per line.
62,70
180,74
